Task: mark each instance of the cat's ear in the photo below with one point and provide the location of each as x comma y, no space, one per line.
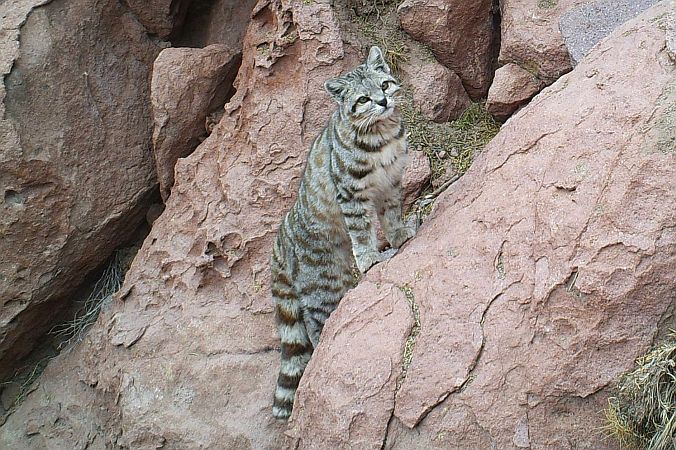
336,88
376,61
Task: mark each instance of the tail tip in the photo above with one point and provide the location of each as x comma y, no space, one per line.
281,413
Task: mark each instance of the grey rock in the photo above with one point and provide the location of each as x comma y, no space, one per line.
584,26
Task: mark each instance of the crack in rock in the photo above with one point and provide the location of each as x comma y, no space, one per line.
409,346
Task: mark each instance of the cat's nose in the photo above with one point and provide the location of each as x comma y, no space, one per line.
382,102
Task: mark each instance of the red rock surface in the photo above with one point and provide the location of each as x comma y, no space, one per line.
530,36
187,85
539,278
75,172
418,173
512,87
459,33
437,91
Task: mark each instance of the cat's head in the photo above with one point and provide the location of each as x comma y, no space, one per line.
365,95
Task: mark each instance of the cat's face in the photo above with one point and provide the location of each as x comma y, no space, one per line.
367,94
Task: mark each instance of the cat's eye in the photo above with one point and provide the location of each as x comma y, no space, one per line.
362,100
386,85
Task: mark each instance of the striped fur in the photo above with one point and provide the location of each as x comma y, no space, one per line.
353,172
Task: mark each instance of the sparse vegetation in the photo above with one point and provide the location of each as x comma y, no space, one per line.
410,340
109,283
642,415
547,4
22,384
450,147
451,144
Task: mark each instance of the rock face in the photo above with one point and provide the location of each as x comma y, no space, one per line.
437,91
512,87
417,175
535,282
75,166
187,85
186,357
459,33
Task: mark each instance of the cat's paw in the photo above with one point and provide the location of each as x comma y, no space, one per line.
402,235
367,260
370,259
387,254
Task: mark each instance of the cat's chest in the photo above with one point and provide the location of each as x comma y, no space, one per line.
387,165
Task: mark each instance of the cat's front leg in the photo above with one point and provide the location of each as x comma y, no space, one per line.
389,214
361,231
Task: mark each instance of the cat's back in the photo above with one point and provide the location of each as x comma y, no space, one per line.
315,213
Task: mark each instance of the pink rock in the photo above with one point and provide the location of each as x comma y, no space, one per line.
437,91
459,33
512,87
187,85
187,355
537,280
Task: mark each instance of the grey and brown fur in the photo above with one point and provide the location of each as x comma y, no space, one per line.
354,168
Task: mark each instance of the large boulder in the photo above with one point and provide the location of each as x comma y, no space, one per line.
187,355
461,35
536,281
187,85
75,165
547,37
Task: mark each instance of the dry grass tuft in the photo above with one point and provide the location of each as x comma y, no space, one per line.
450,147
643,413
110,281
455,142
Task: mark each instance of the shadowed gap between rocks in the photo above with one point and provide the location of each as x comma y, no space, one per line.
72,316
205,22
496,16
194,79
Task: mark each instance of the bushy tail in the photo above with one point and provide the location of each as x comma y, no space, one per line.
294,360
296,353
